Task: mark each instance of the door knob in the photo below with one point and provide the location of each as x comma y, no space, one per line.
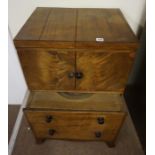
79,75
98,134
49,118
100,120
51,132
71,74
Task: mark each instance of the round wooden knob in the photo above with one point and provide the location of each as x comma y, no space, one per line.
79,75
51,132
49,118
71,74
100,120
98,134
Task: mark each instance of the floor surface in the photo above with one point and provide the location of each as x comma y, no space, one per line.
12,115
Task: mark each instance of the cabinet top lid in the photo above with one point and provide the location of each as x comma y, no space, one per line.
70,27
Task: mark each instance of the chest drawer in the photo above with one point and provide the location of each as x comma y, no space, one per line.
75,124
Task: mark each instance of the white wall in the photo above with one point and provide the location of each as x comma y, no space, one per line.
20,10
16,83
134,12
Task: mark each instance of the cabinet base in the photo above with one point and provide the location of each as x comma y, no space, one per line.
42,140
110,144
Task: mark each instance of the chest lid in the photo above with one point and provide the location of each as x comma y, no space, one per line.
75,28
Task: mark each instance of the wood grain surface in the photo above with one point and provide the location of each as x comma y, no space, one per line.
103,23
76,28
61,25
103,70
76,125
46,69
91,102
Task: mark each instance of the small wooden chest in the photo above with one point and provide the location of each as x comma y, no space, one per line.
76,63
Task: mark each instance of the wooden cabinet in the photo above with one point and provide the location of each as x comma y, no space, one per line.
76,63
60,69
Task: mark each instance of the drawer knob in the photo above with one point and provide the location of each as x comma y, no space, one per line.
51,132
98,134
71,74
100,120
79,75
49,118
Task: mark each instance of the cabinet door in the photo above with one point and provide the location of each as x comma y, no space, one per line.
48,69
103,70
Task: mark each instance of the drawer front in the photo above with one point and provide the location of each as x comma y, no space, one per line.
103,70
75,125
47,69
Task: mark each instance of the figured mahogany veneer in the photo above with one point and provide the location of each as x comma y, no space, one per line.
85,51
47,69
103,70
